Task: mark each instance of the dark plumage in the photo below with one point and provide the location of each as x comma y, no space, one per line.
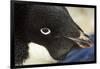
30,18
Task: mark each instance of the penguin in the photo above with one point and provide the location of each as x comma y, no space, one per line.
44,34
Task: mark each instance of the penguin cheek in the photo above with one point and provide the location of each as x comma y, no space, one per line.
59,54
59,48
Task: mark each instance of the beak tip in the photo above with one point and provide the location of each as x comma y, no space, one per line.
83,43
86,44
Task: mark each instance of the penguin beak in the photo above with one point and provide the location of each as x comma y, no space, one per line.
83,41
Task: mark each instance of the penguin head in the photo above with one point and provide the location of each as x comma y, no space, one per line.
49,26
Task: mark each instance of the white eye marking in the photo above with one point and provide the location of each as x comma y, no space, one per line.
45,31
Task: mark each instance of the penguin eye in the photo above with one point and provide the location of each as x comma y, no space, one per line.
45,31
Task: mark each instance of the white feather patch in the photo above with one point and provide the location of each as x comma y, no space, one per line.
38,55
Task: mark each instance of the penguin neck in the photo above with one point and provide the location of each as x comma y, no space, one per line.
38,55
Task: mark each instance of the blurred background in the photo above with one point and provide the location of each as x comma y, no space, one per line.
84,17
